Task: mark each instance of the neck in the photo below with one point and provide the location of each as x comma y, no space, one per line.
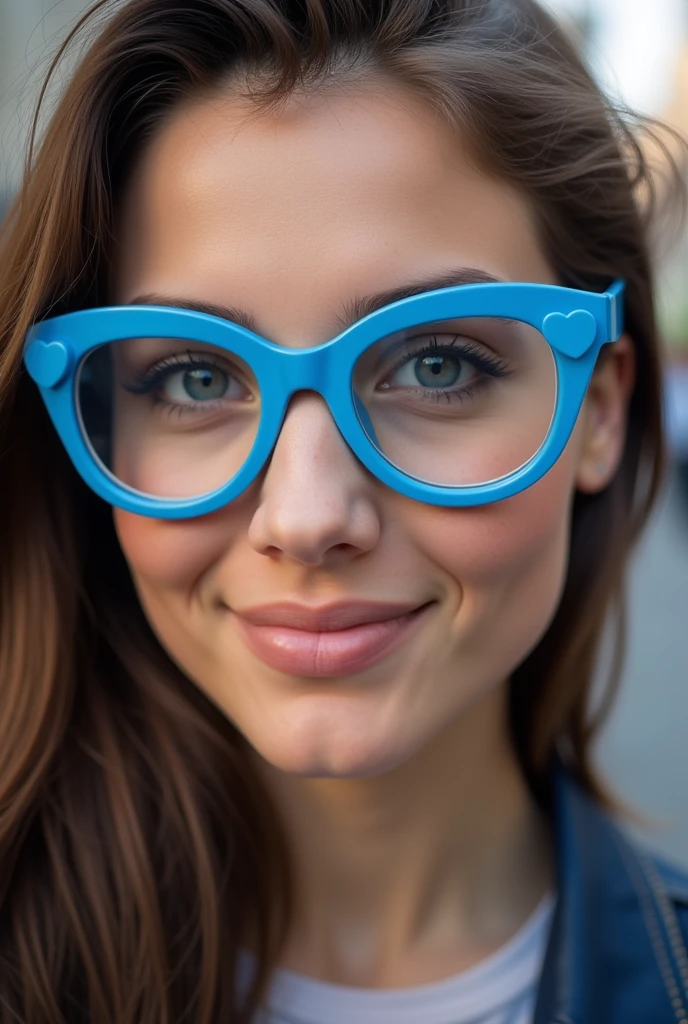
414,875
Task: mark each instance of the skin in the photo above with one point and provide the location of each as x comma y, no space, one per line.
417,847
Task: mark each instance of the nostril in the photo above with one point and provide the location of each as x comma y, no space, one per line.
272,551
346,549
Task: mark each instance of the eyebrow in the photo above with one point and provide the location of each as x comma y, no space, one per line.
352,311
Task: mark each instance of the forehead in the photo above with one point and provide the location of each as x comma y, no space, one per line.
293,213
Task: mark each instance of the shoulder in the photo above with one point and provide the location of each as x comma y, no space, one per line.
674,880
622,932
601,853
668,882
618,947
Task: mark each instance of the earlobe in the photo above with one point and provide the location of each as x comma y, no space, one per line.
604,415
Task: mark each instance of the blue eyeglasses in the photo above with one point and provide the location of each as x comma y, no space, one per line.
460,396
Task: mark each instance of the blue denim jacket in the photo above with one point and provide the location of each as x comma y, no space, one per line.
617,948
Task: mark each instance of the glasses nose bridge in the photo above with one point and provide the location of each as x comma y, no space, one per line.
305,370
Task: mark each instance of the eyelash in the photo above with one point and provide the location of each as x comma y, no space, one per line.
491,366
157,373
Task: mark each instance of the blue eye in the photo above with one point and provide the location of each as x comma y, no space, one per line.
449,369
201,384
187,380
436,370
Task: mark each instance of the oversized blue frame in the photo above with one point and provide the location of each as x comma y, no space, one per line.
575,323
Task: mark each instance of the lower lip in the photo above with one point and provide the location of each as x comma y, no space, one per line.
335,653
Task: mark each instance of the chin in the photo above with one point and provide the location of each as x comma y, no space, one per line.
331,753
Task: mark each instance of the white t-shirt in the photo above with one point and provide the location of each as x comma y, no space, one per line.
499,990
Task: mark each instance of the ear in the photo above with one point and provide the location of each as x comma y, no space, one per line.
604,415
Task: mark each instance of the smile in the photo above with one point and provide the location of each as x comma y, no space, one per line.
333,641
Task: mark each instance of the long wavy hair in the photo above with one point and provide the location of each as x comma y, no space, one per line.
138,849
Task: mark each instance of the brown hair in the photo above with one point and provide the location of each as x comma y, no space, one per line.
137,849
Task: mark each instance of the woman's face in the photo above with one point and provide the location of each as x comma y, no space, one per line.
293,217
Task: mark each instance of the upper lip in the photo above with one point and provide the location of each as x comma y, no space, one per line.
343,615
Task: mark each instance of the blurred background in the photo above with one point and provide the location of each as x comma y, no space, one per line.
639,54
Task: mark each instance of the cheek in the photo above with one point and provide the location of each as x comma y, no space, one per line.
170,555
507,560
167,559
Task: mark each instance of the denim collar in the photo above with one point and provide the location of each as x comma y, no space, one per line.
614,954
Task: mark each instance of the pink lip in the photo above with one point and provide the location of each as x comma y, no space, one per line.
331,641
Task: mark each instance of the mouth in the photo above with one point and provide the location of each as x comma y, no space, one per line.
330,641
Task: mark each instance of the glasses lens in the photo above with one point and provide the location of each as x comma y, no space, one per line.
168,418
458,402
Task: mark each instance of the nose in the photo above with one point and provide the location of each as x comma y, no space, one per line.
316,500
